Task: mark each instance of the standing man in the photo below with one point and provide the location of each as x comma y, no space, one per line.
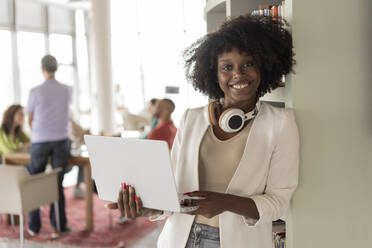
165,129
48,116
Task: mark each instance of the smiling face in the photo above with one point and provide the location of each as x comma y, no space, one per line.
238,77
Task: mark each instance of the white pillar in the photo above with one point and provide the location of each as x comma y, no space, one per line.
101,70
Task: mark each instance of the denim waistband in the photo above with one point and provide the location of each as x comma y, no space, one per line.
205,231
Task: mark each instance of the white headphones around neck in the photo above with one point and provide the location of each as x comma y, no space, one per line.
232,119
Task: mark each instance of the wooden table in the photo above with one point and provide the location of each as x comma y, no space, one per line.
24,159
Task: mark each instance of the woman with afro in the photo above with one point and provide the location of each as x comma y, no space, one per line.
236,158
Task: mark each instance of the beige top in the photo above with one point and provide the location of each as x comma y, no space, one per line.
218,161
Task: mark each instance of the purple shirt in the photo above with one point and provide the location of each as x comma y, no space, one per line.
49,104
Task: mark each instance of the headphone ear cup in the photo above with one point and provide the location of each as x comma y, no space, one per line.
231,120
212,109
220,120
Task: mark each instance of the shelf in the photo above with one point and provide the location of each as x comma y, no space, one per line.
216,6
214,14
277,95
242,7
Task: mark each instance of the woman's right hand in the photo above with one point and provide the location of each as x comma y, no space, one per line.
130,205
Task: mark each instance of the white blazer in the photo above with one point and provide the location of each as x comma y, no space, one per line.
267,173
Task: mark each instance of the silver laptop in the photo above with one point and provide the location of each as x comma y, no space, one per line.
144,164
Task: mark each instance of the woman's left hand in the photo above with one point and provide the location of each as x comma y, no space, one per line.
213,204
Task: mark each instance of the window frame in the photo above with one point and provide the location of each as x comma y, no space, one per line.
14,29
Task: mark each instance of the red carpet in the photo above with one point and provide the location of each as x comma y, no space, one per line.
102,236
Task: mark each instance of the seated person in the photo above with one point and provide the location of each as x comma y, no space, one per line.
12,137
165,129
150,113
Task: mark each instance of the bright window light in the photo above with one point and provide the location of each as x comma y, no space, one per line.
147,44
6,93
83,71
30,51
80,22
61,48
65,74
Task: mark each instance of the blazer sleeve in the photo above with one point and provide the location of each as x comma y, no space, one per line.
283,174
175,153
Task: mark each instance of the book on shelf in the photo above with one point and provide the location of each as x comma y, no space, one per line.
279,240
279,234
274,11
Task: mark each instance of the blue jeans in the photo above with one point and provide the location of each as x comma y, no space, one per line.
59,151
203,236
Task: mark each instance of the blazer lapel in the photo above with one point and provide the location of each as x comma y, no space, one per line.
254,150
199,128
204,126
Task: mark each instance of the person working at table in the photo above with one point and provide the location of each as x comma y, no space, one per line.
162,127
165,129
12,137
48,113
149,112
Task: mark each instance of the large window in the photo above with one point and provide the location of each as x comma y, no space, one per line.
126,55
31,49
6,92
36,28
147,46
83,71
61,48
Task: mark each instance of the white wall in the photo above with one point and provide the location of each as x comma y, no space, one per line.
332,91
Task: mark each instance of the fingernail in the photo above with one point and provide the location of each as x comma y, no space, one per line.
124,186
137,199
187,193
